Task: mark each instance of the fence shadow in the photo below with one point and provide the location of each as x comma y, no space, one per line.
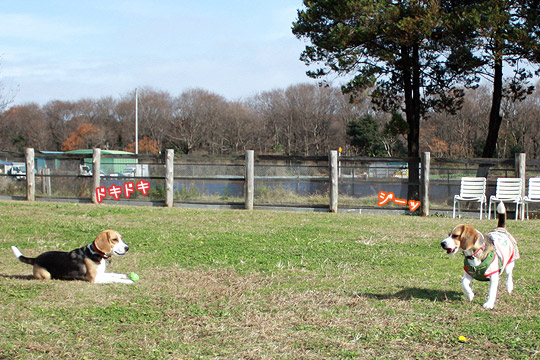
416,293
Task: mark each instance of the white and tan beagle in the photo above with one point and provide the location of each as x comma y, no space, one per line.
486,256
86,263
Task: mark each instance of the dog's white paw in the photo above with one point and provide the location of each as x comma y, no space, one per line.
489,305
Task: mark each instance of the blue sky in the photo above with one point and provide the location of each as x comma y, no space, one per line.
75,49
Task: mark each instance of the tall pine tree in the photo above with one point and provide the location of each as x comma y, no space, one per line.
393,47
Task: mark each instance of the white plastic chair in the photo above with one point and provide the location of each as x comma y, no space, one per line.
532,196
508,191
471,189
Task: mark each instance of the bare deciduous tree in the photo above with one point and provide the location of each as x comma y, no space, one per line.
194,124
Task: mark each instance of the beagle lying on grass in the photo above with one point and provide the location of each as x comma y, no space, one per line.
486,256
86,263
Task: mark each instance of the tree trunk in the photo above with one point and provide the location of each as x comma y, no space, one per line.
411,85
495,118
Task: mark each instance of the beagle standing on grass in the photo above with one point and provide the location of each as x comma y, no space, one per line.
486,256
86,263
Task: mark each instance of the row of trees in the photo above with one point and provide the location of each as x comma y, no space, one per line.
302,119
299,120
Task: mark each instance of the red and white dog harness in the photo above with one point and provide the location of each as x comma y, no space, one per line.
506,251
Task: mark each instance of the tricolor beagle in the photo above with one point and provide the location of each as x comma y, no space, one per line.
86,263
486,256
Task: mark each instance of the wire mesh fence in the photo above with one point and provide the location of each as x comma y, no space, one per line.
291,181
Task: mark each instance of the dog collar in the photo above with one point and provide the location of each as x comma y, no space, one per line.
95,251
475,254
470,256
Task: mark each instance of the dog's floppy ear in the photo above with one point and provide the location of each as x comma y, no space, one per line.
469,237
113,237
103,242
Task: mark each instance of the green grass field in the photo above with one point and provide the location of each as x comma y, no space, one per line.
219,284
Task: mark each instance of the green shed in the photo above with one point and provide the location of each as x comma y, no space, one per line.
108,165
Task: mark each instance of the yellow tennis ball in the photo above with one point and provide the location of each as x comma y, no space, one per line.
462,339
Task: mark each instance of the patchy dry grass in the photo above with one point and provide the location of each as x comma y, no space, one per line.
259,285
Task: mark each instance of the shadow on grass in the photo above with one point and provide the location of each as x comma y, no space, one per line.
417,293
16,277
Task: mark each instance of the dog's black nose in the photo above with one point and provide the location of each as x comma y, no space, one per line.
443,245
126,248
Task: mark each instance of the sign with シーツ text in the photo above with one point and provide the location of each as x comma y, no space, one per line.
385,198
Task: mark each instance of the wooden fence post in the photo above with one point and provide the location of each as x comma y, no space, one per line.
96,173
30,177
169,178
521,165
249,179
424,181
46,181
520,160
334,180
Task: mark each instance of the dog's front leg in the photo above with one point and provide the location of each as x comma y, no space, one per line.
493,285
106,278
116,275
466,284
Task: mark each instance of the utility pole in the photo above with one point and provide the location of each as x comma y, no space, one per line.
136,121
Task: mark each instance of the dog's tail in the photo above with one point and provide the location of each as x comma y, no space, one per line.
501,212
21,257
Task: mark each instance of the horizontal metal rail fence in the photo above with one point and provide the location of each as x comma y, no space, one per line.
319,183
